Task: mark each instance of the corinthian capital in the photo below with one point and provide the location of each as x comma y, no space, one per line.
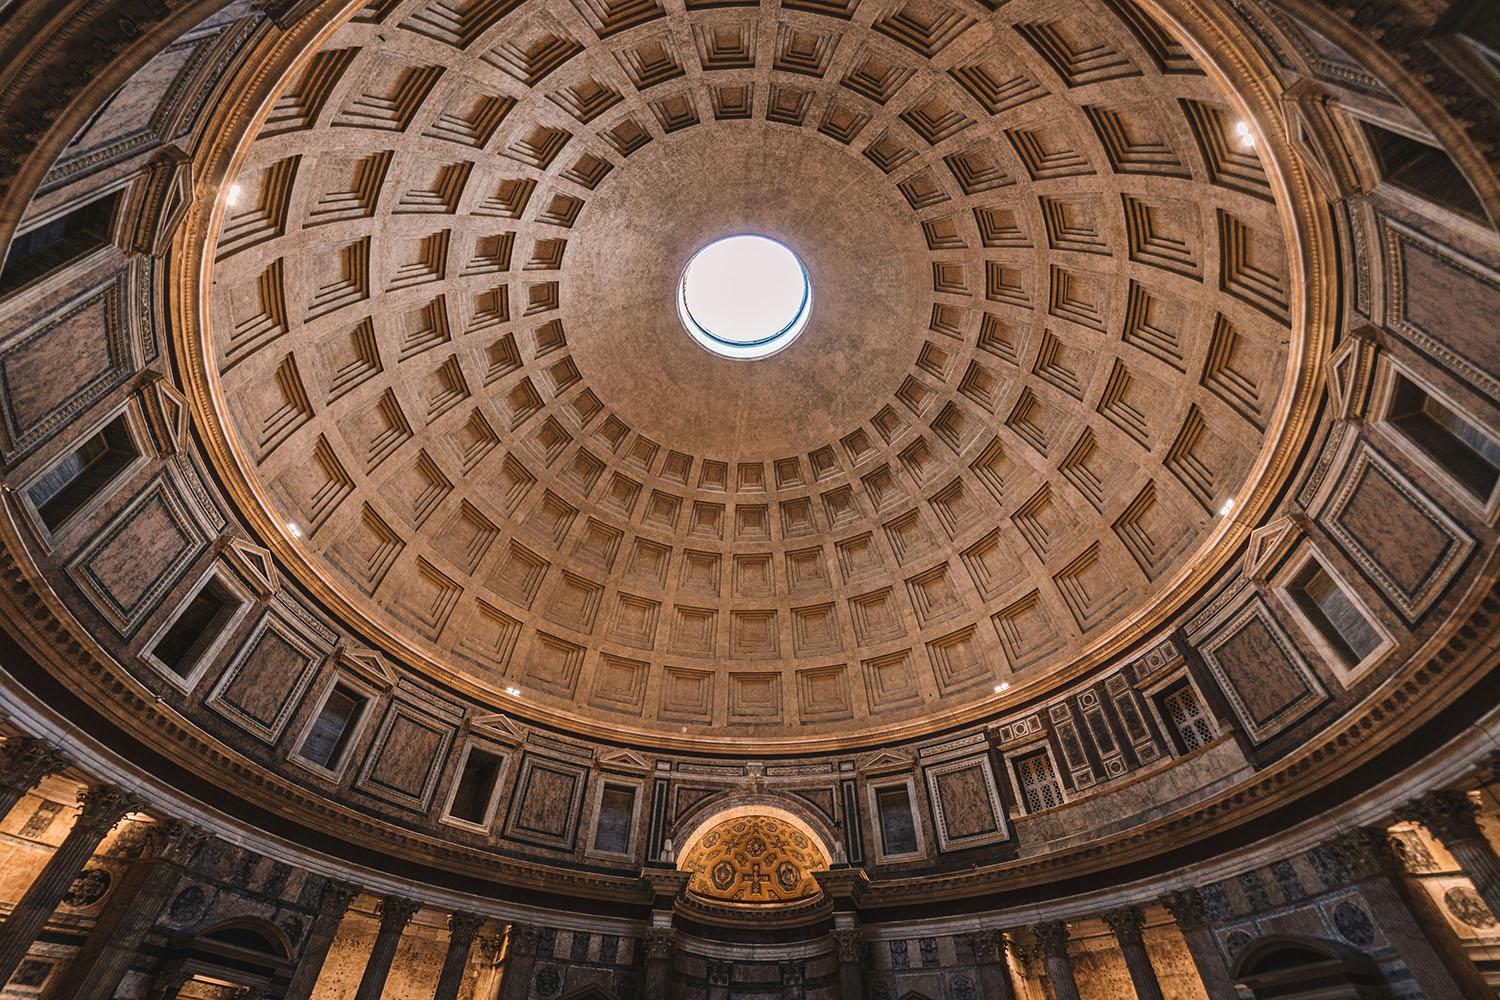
337,895
176,840
522,939
395,912
103,806
988,946
1053,938
1186,907
1126,923
24,762
1449,816
1365,851
847,943
463,926
660,942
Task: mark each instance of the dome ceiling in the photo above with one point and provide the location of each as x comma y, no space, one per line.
1053,304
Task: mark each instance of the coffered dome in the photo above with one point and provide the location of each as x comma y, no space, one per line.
1055,340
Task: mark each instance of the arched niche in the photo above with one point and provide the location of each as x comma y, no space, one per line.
704,816
1289,967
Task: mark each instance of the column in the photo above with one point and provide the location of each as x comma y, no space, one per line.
1186,907
1375,870
1126,923
24,762
491,949
1452,818
130,912
989,958
332,903
661,942
849,947
1053,938
103,806
719,972
520,957
461,930
394,915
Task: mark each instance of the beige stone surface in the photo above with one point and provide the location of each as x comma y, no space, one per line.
1048,336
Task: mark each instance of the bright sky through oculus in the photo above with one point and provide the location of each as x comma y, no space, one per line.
744,297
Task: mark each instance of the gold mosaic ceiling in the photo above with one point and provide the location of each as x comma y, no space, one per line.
754,859
1053,308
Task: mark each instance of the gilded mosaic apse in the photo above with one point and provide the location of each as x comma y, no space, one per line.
754,859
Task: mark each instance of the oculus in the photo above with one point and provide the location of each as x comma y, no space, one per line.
744,297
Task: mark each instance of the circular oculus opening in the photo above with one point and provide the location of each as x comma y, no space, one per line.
744,297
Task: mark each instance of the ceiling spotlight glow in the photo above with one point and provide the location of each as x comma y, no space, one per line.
1228,506
1242,129
1002,686
744,297
514,692
296,532
234,195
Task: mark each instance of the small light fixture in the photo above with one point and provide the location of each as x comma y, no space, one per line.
234,195
1002,686
1228,506
1242,129
292,527
514,692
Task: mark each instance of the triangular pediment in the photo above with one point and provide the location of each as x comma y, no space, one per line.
624,761
1268,544
167,415
1350,367
254,564
500,728
370,665
884,760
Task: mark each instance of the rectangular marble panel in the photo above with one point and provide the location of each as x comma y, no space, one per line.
1432,298
136,558
545,804
63,362
406,757
965,803
1403,541
265,679
1267,681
